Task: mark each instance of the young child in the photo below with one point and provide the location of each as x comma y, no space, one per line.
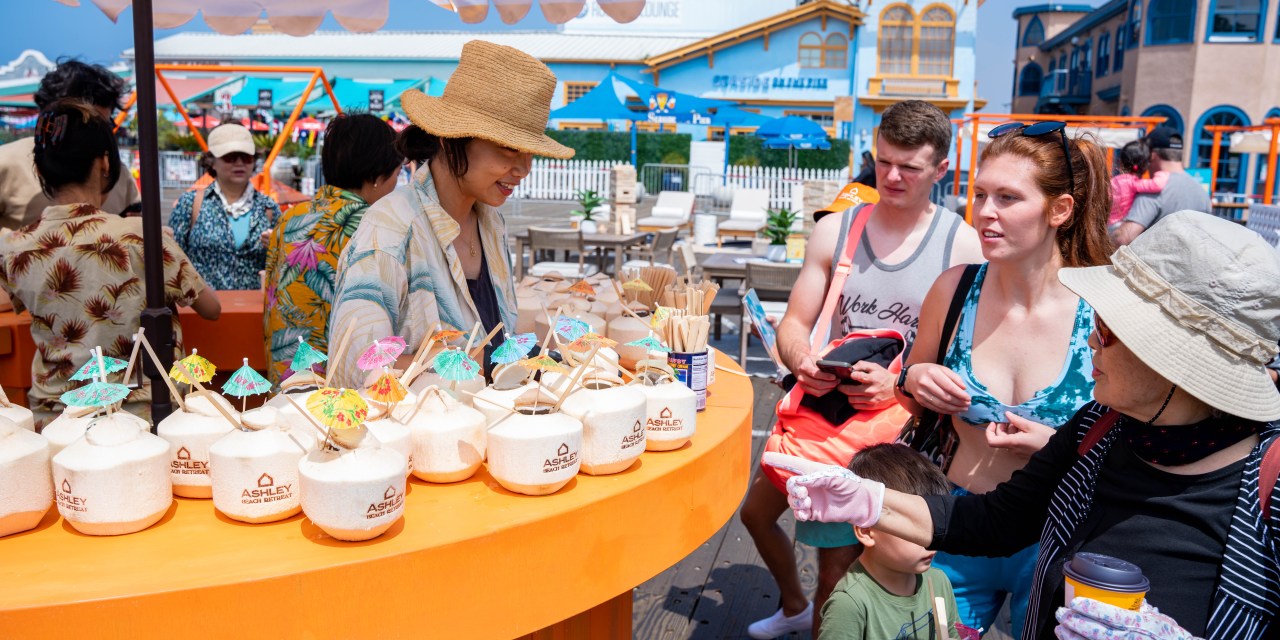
1135,159
889,591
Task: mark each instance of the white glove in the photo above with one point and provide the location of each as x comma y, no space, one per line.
1088,619
828,493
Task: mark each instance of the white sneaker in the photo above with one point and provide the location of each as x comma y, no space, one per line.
780,624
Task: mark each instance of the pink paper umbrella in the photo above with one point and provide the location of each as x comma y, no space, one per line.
381,353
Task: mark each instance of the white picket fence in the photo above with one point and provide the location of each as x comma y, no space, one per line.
551,179
784,183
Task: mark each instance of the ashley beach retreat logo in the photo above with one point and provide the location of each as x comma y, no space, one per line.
266,491
664,422
564,459
392,501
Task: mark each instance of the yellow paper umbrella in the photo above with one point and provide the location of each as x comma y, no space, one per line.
636,285
198,365
338,408
447,335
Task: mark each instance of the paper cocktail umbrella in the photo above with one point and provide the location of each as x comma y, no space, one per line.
95,394
338,408
542,363
583,287
590,340
650,343
514,348
381,353
455,365
306,357
447,334
90,369
571,328
636,285
246,382
198,365
387,389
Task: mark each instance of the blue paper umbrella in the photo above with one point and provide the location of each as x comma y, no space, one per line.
95,394
456,365
90,369
306,357
571,328
514,348
650,343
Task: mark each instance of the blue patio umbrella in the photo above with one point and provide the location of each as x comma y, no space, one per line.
802,142
602,103
791,127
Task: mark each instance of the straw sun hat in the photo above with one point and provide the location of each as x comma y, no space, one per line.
497,93
1197,299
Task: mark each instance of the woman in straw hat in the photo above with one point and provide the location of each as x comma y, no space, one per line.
1170,469
435,250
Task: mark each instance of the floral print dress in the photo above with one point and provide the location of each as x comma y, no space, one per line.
225,264
79,271
302,266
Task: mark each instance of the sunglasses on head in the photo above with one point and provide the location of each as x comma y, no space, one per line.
1036,130
1105,337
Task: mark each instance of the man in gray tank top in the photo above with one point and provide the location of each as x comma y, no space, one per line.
907,243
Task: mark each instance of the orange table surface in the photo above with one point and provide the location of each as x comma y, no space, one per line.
469,560
236,334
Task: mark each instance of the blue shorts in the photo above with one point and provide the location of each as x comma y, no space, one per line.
825,535
981,584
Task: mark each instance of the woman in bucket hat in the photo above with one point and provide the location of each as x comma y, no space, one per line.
435,250
1170,469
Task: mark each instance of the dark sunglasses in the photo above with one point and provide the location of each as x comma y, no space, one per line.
1105,337
1036,130
237,158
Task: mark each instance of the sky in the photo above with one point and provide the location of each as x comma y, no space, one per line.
58,30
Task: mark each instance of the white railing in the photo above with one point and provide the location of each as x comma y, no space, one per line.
551,179
782,182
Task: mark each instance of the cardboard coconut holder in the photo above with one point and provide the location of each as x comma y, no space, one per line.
436,569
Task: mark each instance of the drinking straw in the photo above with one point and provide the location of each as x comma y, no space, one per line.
480,347
311,421
491,402
335,355
476,328
416,367
212,399
102,371
160,367
576,376
133,356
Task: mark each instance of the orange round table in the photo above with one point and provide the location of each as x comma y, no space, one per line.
469,560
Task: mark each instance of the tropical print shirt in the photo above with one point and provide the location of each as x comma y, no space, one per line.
400,274
79,271
225,264
302,267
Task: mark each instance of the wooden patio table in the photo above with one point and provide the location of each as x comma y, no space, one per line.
468,560
617,242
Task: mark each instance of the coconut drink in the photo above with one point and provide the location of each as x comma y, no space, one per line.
115,480
671,408
448,437
536,450
254,471
19,415
26,490
629,328
72,423
613,418
204,419
497,400
355,489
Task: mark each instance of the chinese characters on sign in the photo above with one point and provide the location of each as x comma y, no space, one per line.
763,84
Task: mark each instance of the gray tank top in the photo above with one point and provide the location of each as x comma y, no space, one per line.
877,295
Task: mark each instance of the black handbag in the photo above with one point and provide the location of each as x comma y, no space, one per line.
931,433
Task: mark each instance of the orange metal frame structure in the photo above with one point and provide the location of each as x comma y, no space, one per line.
978,119
1272,125
262,181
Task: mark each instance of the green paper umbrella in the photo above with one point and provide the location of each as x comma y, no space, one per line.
456,365
571,328
95,394
90,369
246,382
650,343
514,348
306,357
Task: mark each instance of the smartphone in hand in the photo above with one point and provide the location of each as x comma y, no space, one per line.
837,368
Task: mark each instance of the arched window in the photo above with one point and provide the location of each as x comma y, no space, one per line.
835,53
1119,62
1029,80
1104,54
937,41
1171,117
1086,56
1034,33
1232,167
1171,21
1135,22
1236,20
811,50
897,30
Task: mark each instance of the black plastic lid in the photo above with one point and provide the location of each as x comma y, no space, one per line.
1105,572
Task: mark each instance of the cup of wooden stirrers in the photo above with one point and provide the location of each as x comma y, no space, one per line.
686,335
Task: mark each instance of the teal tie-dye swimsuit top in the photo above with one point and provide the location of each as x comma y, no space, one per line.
1052,406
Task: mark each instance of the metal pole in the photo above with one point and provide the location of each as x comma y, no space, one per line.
1213,162
156,318
633,145
1270,189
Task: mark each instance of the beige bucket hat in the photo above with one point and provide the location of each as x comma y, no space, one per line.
1197,299
497,93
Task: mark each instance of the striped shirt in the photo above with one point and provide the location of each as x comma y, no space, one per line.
400,275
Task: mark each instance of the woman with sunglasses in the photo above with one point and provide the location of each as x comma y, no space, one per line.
226,226
1172,468
1017,365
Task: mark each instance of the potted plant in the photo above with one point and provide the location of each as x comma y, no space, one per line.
777,228
588,201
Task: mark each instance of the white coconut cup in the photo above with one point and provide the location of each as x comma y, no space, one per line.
393,435
68,428
353,494
535,452
671,413
463,391
20,415
613,419
495,402
294,422
448,439
191,433
114,480
254,473
26,486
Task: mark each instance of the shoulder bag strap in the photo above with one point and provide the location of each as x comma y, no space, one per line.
195,211
953,312
1098,431
1267,476
843,267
